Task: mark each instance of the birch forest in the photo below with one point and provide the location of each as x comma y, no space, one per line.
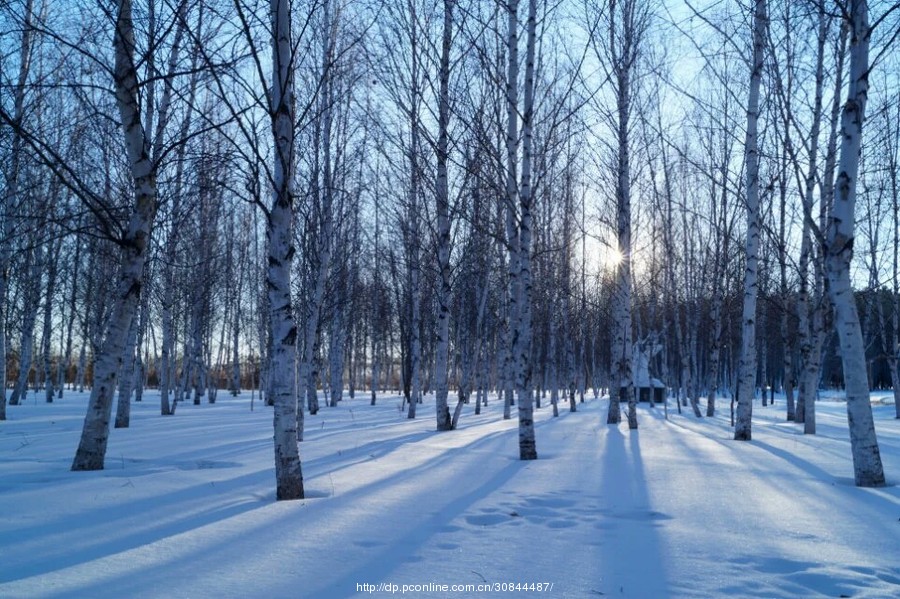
492,205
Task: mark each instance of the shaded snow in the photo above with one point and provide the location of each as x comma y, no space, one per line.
186,505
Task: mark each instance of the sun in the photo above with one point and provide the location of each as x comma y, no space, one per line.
613,257
600,255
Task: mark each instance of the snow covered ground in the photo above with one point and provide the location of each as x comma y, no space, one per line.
186,506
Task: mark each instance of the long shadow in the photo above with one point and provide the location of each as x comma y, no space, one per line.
632,550
243,491
363,453
804,465
111,543
387,558
383,448
379,448
238,487
435,464
875,497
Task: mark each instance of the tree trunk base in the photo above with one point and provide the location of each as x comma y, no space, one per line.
86,461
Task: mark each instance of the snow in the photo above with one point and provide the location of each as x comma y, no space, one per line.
186,505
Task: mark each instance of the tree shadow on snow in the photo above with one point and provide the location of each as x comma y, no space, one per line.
632,554
161,516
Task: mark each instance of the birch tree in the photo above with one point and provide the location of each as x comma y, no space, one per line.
65,363
890,118
812,307
322,212
279,235
11,195
442,194
618,43
522,348
511,200
518,200
32,266
868,470
746,388
92,446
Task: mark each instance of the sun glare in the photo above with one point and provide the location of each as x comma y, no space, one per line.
600,256
613,257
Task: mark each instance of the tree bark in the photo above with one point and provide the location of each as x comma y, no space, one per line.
747,371
123,405
52,258
10,197
279,234
443,229
523,347
95,433
32,301
867,466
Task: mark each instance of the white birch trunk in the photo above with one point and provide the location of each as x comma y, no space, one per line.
376,311
182,384
811,370
123,405
10,197
196,354
814,366
139,366
26,352
512,188
313,317
570,363
92,446
336,354
867,467
66,361
622,360
414,268
442,351
376,363
524,383
747,370
803,330
52,266
552,358
235,384
894,346
715,347
415,322
168,380
165,369
279,233
81,368
809,334
787,382
624,39
308,373
568,367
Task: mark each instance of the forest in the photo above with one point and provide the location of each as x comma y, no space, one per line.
534,201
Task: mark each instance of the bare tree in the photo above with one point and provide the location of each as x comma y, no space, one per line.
92,447
746,389
868,470
279,234
10,197
443,224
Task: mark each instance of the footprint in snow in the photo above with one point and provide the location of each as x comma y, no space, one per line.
487,519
